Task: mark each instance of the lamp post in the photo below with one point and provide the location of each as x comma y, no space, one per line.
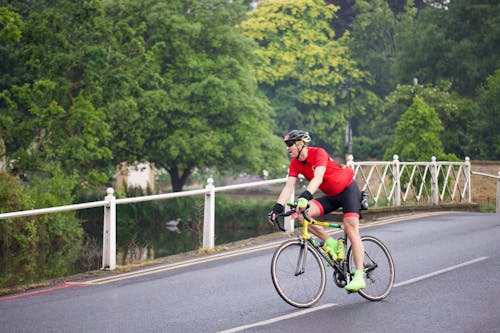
348,134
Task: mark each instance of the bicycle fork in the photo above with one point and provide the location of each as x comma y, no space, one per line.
301,261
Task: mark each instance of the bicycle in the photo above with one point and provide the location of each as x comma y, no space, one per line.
298,271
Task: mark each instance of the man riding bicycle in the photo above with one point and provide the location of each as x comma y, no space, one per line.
340,189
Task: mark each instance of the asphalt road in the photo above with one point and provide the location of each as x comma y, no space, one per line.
447,280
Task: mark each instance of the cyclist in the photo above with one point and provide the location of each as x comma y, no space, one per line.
340,189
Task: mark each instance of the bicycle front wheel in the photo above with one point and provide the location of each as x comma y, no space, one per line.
379,269
298,273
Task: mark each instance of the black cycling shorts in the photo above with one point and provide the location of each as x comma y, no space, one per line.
349,200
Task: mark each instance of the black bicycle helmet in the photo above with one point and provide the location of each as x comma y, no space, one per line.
297,135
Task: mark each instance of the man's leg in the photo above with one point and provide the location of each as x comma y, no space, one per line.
351,227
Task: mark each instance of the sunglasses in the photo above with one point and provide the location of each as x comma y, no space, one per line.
289,143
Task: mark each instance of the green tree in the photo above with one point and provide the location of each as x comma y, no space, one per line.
485,141
52,113
348,12
39,131
417,136
373,42
455,113
200,106
455,41
11,27
303,68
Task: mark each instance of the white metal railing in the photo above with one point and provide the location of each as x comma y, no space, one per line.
395,183
388,183
109,203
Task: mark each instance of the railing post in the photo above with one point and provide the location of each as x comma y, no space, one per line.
434,182
397,180
350,162
209,217
109,232
468,179
498,193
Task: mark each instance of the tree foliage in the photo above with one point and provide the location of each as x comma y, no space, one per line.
302,68
349,11
168,82
89,84
10,26
199,105
373,31
374,43
456,41
456,114
411,143
40,131
435,43
54,115
485,143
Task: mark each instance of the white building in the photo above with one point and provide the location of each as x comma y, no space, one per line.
137,175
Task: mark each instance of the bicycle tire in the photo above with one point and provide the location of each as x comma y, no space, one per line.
300,283
379,269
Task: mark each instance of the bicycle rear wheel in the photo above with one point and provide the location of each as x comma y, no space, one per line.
298,273
379,269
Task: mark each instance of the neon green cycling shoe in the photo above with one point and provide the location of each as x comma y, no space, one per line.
357,282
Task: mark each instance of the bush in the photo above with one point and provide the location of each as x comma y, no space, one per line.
41,246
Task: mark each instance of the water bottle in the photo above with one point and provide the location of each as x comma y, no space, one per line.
364,200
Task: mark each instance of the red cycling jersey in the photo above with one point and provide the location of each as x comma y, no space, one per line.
336,177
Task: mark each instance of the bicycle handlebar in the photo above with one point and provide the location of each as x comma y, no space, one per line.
292,205
278,219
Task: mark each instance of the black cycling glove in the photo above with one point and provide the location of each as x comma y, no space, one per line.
277,208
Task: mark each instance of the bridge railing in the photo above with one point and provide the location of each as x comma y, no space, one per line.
397,183
390,183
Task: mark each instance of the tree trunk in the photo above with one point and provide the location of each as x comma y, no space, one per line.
178,177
